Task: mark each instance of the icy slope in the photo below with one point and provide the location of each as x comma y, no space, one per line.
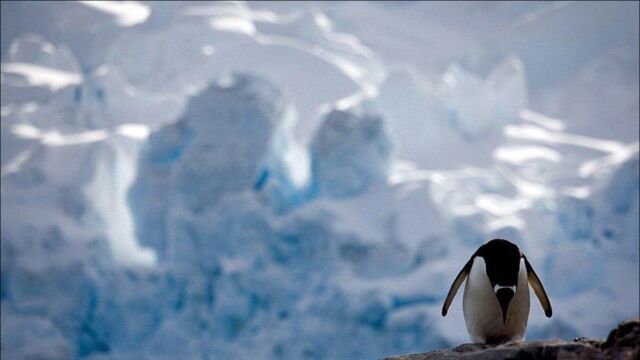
284,181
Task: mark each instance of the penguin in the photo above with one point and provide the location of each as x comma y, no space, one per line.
496,294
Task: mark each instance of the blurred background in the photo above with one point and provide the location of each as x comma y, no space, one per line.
284,180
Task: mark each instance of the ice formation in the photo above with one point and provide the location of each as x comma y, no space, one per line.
276,181
349,153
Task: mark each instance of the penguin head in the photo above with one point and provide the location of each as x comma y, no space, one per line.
502,259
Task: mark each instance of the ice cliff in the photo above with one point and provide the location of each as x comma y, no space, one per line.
276,181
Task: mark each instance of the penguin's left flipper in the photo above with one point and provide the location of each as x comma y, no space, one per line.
456,285
538,289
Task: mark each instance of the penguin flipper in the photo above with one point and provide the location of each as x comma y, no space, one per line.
538,289
462,275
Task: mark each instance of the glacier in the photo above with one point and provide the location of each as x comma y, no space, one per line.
272,180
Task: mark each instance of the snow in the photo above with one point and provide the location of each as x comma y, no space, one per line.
42,76
349,152
304,180
127,13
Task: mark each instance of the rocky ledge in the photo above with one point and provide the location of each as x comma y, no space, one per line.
622,343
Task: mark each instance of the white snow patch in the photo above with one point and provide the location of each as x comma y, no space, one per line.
38,75
127,13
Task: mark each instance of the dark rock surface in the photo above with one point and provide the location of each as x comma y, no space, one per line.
622,343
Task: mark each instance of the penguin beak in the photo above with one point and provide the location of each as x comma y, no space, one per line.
504,297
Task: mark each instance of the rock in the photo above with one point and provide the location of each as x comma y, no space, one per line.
622,343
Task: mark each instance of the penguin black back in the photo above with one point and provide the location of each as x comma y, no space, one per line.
502,259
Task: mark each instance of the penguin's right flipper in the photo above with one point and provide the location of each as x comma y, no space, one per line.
456,285
538,289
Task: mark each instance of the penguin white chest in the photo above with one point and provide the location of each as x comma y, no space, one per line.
482,311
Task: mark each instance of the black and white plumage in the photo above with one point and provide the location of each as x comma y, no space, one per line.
496,294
